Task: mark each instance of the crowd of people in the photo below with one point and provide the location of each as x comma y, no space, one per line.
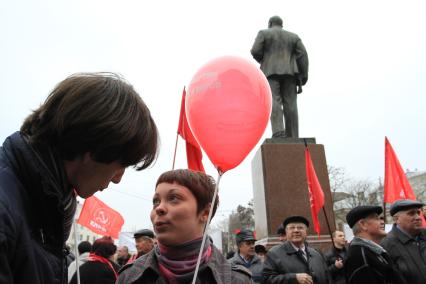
169,257
88,131
372,256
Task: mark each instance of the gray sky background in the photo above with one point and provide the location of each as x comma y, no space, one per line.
366,80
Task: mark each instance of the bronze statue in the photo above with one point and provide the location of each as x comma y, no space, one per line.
284,61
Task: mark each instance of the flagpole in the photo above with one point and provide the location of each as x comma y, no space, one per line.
77,266
323,207
384,211
329,228
174,156
207,226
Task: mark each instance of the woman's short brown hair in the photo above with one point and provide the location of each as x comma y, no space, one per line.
104,247
99,113
201,185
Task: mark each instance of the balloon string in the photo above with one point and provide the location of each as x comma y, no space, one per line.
207,226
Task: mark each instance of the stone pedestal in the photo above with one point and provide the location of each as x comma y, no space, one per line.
281,190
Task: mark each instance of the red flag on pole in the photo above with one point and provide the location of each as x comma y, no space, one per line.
193,151
316,195
99,218
396,182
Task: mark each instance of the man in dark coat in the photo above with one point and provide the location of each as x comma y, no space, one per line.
123,255
293,261
90,128
367,261
284,61
144,242
336,257
406,242
246,255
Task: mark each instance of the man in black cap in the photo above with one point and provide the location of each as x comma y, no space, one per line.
281,233
144,241
260,251
367,261
246,255
406,242
293,261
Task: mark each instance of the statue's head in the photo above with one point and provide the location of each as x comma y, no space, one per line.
275,21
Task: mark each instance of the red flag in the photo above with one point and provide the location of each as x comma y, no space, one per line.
101,219
316,195
396,182
193,151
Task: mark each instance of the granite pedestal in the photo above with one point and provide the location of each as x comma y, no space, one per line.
281,190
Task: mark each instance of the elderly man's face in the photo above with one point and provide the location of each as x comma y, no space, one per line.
122,251
144,244
247,249
373,226
296,233
410,220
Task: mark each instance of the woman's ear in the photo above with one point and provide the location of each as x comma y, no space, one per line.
204,214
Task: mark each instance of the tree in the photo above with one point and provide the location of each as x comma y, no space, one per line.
348,193
338,178
242,218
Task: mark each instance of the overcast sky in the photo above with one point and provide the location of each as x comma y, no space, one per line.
367,74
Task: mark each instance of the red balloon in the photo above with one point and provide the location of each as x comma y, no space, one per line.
228,106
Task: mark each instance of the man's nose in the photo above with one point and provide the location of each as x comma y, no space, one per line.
118,175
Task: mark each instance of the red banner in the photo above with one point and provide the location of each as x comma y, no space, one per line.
99,218
194,155
316,195
396,182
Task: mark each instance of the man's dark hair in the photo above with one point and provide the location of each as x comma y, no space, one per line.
202,186
84,246
104,247
275,21
99,113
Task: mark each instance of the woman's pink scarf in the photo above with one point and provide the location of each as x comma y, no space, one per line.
177,263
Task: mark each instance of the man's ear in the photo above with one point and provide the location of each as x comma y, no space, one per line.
86,157
363,224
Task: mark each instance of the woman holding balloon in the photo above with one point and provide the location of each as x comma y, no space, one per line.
181,205
228,107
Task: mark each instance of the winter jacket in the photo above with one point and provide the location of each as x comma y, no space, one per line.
283,262
408,254
337,275
218,270
369,263
72,268
255,266
33,196
95,272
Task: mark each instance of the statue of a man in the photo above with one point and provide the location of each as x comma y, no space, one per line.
284,61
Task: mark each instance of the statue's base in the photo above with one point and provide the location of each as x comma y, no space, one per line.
289,140
280,188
